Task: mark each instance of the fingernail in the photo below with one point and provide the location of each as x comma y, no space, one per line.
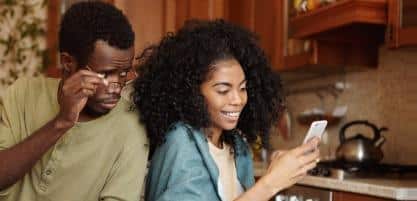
100,75
105,81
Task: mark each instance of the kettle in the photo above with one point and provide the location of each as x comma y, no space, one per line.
360,149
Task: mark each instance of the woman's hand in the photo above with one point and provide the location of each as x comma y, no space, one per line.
290,166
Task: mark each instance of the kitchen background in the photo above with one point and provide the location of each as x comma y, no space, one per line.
385,95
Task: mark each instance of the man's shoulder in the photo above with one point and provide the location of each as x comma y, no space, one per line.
26,88
33,82
126,118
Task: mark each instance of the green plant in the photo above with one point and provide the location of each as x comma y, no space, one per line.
22,39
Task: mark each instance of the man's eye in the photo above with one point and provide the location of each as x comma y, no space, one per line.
106,75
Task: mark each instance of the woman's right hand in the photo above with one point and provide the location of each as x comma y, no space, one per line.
290,166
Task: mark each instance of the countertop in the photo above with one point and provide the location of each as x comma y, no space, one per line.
398,189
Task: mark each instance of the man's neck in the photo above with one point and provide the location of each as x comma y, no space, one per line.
87,115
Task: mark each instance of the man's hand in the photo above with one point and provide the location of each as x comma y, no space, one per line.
74,94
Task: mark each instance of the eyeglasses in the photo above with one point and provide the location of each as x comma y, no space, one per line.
112,85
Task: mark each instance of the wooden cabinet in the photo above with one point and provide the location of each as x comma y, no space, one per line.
52,69
347,196
182,10
343,13
323,194
344,33
402,23
261,16
265,18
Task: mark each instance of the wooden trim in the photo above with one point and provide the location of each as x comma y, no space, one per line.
279,39
330,54
393,25
217,9
52,38
169,16
242,12
344,196
406,37
396,35
199,9
181,12
109,1
339,14
297,61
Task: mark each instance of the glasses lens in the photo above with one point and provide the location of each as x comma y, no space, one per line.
116,85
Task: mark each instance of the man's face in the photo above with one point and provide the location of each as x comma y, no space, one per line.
114,64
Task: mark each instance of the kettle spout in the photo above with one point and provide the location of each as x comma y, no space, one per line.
380,141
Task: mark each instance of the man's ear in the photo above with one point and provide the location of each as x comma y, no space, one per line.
69,63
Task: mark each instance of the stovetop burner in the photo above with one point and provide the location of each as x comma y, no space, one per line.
356,170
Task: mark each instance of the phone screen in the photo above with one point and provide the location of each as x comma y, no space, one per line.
316,129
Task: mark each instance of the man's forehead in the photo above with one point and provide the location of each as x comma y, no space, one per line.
103,53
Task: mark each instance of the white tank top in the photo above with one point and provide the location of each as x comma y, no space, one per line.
228,184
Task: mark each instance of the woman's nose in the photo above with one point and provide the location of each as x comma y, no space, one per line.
237,98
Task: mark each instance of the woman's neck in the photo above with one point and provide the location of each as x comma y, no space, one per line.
214,135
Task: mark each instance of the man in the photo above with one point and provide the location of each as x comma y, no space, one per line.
76,138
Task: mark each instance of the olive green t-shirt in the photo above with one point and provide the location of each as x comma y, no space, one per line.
102,159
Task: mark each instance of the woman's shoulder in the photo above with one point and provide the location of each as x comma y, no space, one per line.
180,133
180,141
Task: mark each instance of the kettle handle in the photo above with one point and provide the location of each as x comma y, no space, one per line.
377,131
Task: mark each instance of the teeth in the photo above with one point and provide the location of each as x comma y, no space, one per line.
232,114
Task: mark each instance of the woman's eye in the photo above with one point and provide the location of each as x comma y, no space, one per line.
222,92
243,89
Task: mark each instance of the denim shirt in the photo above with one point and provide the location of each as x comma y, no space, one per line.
183,169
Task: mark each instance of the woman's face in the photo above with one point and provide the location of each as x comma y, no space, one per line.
225,94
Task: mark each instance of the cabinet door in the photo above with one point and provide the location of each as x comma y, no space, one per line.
402,23
184,10
346,196
265,18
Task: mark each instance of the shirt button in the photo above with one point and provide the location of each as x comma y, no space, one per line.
48,172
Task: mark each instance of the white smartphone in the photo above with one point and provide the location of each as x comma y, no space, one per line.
316,129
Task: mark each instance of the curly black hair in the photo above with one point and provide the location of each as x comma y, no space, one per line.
170,73
86,22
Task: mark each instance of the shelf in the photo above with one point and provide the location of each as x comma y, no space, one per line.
327,55
341,14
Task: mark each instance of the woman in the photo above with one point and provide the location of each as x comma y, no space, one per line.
205,94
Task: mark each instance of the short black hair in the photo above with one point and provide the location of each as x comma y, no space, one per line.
84,23
170,74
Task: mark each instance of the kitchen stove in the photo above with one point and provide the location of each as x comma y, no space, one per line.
343,170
